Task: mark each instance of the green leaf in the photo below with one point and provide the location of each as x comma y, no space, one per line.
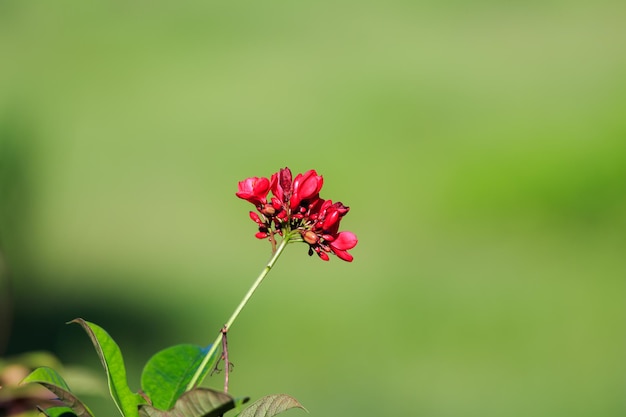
271,405
50,379
113,363
199,402
239,402
58,412
167,373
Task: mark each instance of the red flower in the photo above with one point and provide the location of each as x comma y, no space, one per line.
341,244
297,211
305,186
254,190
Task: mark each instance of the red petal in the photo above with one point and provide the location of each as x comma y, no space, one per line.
261,187
341,254
310,184
305,186
330,220
344,241
254,190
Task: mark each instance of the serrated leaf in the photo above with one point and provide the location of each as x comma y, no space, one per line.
51,379
113,363
199,402
271,405
166,375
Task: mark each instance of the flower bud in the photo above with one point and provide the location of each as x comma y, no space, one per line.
255,217
261,235
310,237
268,210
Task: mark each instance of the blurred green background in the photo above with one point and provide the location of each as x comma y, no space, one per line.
480,145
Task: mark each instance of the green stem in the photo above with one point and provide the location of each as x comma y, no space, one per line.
201,369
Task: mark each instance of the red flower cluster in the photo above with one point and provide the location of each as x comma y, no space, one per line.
296,209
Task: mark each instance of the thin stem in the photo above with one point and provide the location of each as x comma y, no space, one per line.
226,360
195,380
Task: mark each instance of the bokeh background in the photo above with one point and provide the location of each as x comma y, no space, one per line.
480,145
